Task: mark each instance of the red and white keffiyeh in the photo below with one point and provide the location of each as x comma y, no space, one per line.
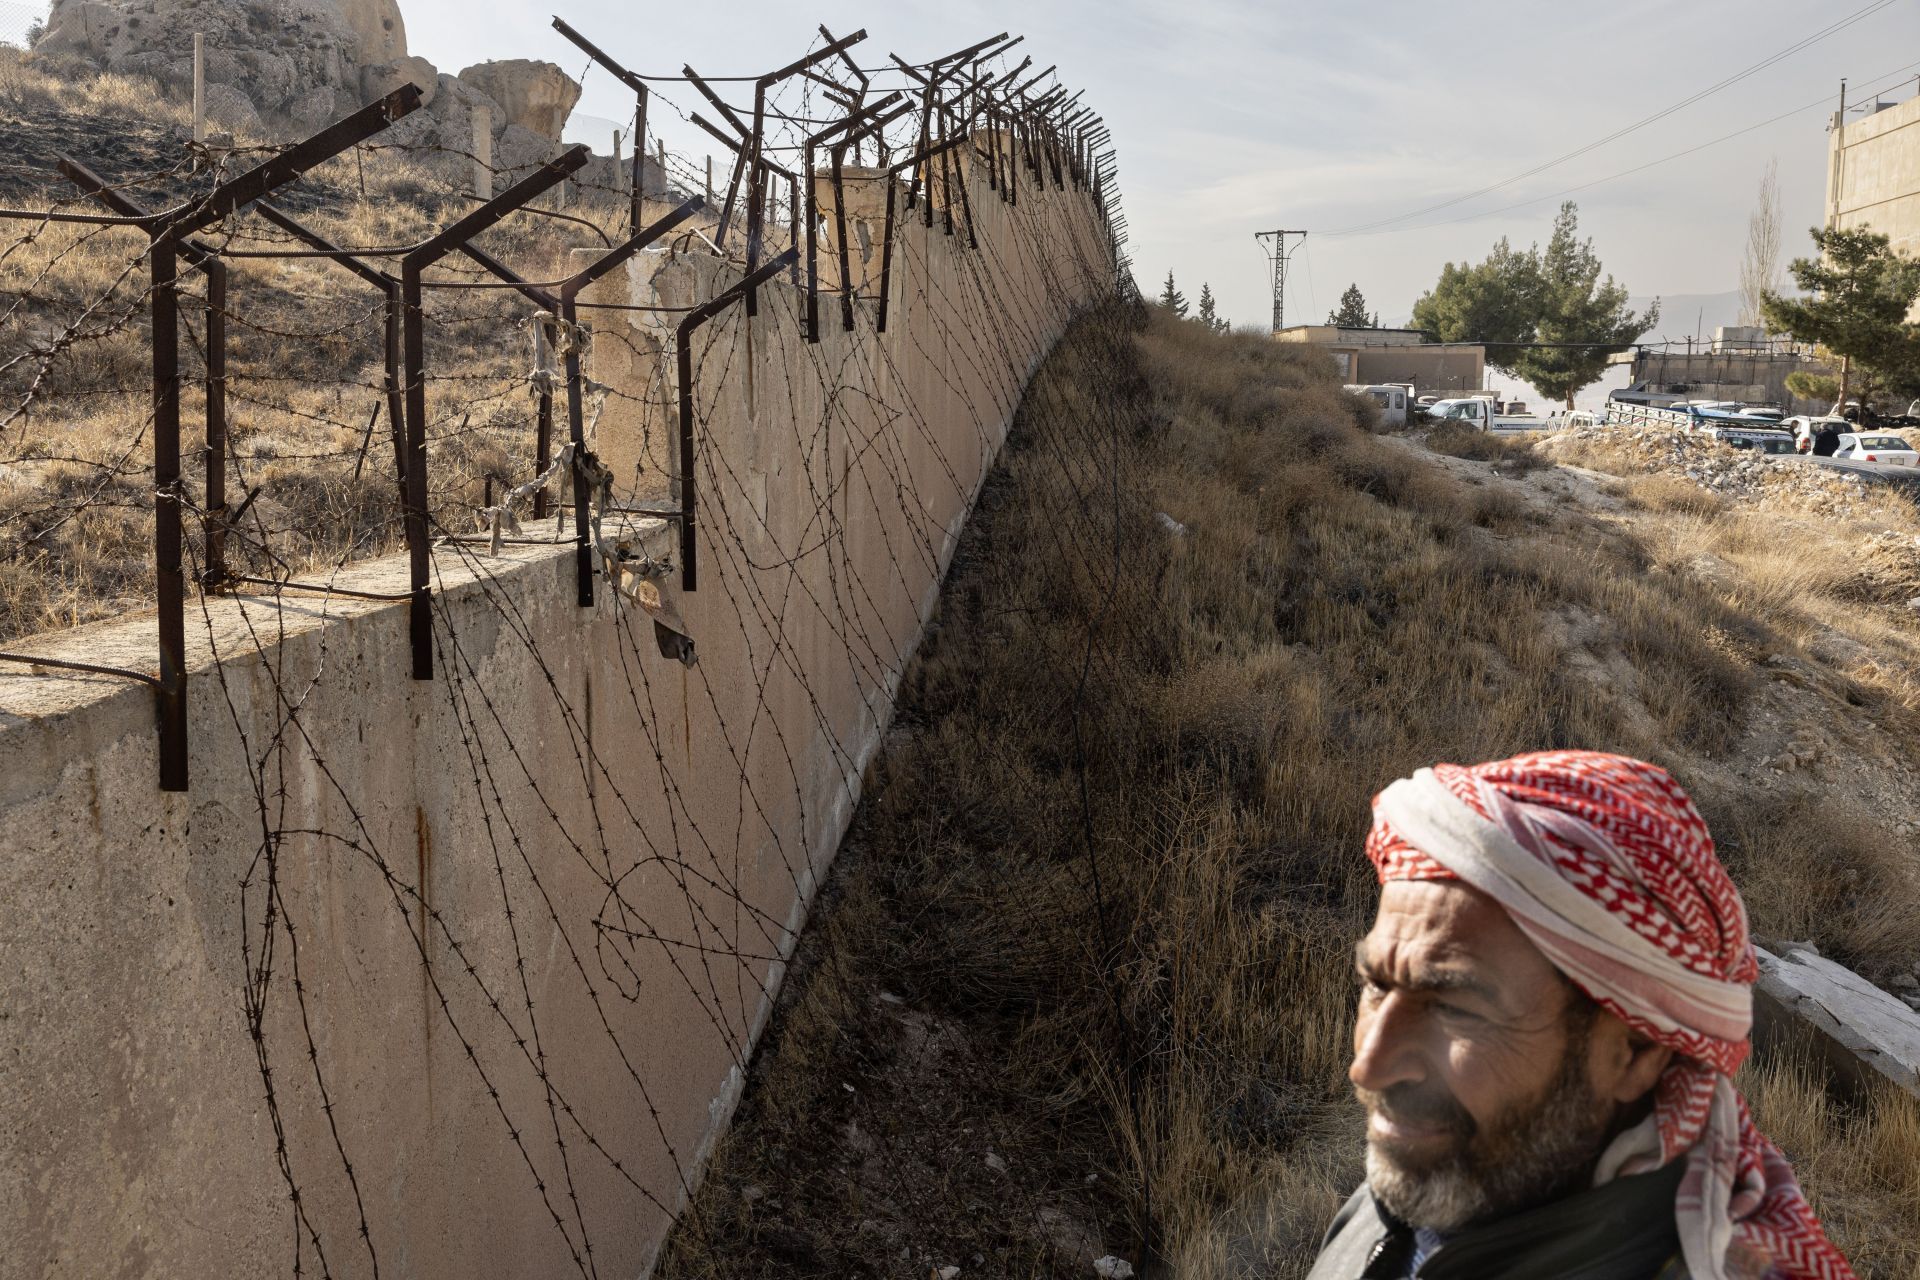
1607,867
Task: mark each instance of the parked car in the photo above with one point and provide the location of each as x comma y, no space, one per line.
1762,413
1585,418
1804,426
1884,451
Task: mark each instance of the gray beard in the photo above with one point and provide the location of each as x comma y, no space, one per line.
1523,1158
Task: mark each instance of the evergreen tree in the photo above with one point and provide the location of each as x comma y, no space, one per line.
1586,316
1556,297
1352,312
1209,315
1172,299
1861,293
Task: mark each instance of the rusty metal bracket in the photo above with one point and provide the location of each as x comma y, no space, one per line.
569,315
414,361
689,545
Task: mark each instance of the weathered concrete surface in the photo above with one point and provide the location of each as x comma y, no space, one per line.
1873,175
508,934
1864,1032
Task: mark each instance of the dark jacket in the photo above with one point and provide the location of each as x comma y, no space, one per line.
1622,1231
1825,441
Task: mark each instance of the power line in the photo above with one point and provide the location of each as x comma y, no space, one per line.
1804,43
1887,80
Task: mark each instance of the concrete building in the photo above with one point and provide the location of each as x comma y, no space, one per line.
1873,173
1739,364
1396,355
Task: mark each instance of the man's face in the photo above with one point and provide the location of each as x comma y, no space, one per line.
1473,1058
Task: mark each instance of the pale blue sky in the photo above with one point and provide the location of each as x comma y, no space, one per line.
1233,116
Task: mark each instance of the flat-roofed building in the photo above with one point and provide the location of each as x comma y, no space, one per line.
1873,174
1396,355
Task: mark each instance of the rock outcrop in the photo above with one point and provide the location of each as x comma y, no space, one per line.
284,68
536,96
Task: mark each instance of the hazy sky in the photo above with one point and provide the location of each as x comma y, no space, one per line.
1231,116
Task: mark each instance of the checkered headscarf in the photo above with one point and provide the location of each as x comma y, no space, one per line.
1607,867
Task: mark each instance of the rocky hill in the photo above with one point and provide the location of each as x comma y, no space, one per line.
280,69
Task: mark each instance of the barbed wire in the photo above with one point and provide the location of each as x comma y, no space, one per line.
616,876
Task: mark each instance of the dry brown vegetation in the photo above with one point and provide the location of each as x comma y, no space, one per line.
1095,915
305,366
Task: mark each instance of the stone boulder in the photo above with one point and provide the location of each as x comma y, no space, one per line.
379,34
533,95
382,78
298,62
1863,1031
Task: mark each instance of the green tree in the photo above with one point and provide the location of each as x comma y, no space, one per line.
1172,299
1860,292
1209,314
1585,318
1491,301
1352,311
1516,297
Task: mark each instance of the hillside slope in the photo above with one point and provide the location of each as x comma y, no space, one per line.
1080,986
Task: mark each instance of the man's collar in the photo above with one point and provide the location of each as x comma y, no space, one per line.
1605,1230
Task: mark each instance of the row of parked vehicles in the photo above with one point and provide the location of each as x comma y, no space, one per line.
1768,429
1764,428
1482,410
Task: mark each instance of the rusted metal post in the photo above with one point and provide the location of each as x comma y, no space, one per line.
689,545
214,575
414,361
576,430
170,583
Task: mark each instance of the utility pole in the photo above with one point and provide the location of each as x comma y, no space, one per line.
1837,170
1280,255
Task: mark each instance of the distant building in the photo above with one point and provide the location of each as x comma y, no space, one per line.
1396,355
1740,364
1873,173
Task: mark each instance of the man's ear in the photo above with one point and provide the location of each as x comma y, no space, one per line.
1630,1064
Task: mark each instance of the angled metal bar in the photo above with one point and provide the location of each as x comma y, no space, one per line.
706,91
756,203
437,246
689,546
296,160
600,56
576,430
414,361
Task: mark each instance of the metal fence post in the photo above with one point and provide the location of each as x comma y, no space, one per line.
169,581
199,87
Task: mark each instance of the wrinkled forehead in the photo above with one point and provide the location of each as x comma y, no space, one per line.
1446,933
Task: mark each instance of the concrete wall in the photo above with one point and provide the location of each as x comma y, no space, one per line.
506,936
1873,175
1750,377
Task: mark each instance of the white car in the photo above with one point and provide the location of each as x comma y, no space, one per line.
1881,450
1805,424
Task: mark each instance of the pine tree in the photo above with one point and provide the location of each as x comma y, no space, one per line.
1859,292
1172,299
1209,314
1352,313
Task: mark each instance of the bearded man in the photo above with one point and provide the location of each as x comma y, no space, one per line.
1554,997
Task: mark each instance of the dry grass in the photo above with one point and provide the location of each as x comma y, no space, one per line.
1112,849
305,370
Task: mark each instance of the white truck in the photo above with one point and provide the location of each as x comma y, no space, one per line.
1484,413
1392,397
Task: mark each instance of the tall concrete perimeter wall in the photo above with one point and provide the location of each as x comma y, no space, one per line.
477,962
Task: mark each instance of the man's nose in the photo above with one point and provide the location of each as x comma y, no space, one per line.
1386,1045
